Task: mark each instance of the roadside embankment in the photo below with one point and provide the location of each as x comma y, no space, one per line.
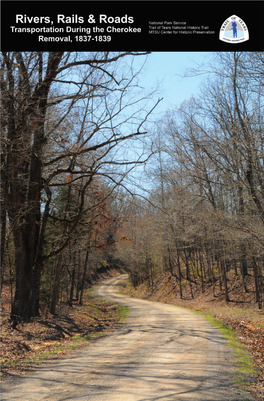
241,321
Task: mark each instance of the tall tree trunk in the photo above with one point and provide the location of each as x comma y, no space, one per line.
223,267
258,282
72,285
78,284
55,291
201,268
72,278
188,275
243,260
3,215
24,171
84,274
26,300
244,267
180,273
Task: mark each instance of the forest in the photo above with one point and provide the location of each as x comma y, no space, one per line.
91,181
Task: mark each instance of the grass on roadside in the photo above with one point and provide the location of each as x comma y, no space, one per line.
245,320
52,337
122,311
91,290
77,341
242,360
60,350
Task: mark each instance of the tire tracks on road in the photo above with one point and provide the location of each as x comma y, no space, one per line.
161,352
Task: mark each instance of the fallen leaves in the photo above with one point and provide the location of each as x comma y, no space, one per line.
49,336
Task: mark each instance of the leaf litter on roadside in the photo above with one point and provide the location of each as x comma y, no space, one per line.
52,336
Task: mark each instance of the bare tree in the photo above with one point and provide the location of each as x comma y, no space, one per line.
65,116
208,187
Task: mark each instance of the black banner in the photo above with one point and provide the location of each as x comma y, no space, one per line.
131,25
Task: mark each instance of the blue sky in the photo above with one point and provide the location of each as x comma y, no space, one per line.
168,68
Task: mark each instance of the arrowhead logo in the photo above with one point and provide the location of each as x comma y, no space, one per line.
234,30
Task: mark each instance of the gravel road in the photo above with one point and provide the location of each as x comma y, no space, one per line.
160,353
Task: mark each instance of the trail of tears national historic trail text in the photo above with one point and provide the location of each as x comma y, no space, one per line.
175,28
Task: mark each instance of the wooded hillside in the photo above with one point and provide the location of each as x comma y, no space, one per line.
204,217
74,127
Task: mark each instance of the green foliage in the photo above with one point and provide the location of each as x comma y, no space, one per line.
241,358
124,312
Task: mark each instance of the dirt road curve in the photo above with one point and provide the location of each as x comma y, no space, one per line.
161,353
